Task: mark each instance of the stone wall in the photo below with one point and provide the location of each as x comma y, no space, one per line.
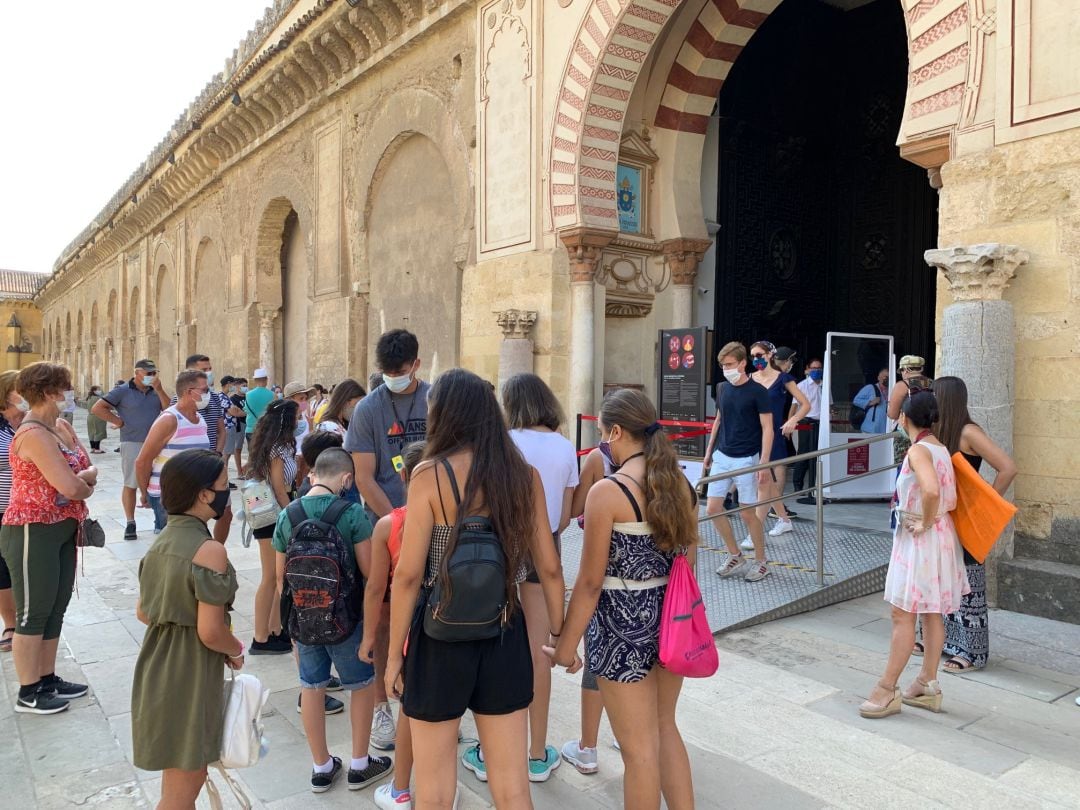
1027,193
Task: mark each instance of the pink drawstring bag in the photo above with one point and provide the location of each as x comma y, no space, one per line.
686,643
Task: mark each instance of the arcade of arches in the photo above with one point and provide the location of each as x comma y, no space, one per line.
539,185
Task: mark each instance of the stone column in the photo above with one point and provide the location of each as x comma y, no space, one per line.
268,313
682,257
978,345
516,352
585,246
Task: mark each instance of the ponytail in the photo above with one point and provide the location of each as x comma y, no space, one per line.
669,500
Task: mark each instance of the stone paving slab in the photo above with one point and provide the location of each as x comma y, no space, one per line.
777,726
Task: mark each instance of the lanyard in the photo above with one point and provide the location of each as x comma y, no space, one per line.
399,427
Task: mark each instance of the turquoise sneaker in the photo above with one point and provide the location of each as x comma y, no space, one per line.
540,769
474,761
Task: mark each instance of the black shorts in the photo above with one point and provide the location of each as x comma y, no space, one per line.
265,533
443,679
534,577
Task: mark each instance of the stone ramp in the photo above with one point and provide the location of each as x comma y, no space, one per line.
855,563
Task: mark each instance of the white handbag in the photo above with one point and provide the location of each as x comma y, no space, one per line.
242,735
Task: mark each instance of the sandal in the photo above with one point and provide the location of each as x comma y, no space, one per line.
923,695
918,649
5,641
877,711
957,664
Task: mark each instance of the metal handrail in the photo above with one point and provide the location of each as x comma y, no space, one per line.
815,456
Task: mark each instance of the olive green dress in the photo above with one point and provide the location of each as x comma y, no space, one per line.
96,427
177,698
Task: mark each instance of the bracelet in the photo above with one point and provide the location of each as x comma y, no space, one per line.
240,654
554,635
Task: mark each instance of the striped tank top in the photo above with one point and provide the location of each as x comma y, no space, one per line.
188,436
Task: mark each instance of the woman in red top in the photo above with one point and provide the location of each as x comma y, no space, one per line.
385,550
51,479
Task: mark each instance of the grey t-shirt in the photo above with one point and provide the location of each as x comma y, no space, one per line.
137,408
374,428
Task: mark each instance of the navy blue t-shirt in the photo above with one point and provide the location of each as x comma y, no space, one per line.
740,410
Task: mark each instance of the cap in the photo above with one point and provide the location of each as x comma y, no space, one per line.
259,374
785,353
911,361
146,365
294,388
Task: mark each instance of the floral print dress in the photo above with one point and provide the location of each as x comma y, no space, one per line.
926,571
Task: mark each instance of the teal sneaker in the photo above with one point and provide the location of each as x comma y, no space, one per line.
473,759
540,769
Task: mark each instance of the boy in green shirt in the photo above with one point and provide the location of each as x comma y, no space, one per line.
334,473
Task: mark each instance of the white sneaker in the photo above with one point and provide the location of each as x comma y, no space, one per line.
758,571
732,565
383,730
747,544
584,759
782,527
384,798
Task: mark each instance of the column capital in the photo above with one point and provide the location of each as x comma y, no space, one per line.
516,323
584,245
682,256
978,272
267,314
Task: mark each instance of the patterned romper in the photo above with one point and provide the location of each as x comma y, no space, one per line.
623,638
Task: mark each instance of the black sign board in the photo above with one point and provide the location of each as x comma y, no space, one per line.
684,362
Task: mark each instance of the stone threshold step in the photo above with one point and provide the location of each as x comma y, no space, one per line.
1040,588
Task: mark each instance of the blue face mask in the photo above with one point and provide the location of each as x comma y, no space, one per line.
815,374
605,450
760,363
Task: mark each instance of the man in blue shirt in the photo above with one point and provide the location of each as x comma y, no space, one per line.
133,406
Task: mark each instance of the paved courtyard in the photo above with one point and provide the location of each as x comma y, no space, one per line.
777,726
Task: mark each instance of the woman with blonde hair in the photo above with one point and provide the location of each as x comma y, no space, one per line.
636,521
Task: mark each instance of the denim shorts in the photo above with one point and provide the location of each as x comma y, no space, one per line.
315,663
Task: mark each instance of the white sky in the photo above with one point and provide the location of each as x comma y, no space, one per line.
87,89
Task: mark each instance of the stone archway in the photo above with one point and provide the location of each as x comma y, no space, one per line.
163,315
617,36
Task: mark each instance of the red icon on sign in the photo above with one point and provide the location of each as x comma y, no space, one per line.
673,361
688,361
673,343
688,343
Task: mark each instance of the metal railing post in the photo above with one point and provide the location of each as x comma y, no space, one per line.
820,504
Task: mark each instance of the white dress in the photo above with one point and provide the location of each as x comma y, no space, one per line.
926,571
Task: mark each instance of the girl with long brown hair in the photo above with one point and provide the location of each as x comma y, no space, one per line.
967,631
469,449
636,521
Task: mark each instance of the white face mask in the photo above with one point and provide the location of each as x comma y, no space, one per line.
204,401
732,374
397,384
210,378
23,406
243,389
148,381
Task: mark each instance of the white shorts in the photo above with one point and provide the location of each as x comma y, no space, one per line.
745,483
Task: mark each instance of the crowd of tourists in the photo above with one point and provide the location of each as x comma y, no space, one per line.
372,506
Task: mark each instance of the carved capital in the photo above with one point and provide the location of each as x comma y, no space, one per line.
516,324
267,315
978,272
931,152
585,246
682,256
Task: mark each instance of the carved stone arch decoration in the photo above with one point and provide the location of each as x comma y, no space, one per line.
280,194
410,112
164,257
617,36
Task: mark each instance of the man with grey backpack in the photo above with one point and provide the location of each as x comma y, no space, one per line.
322,559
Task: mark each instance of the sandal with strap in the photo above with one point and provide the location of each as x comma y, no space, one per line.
923,695
6,639
957,664
875,711
918,650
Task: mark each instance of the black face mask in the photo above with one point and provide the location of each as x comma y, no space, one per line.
220,502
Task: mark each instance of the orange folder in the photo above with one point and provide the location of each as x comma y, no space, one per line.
981,515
